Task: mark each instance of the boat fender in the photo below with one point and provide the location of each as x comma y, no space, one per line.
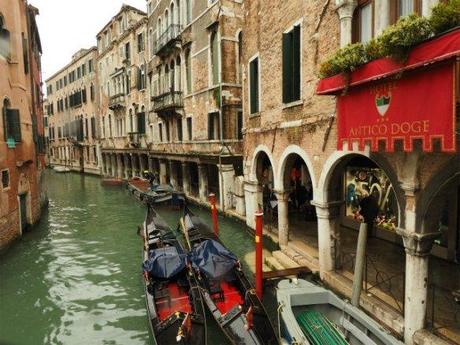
249,318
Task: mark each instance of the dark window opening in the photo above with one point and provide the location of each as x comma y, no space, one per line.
141,123
179,129
189,128
254,86
291,65
213,126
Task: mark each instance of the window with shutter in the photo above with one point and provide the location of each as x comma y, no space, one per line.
25,52
291,65
254,86
189,128
160,131
93,127
12,125
4,40
141,123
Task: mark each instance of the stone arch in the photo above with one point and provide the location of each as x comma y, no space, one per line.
287,153
332,167
260,149
447,175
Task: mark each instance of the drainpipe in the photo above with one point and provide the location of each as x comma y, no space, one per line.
221,120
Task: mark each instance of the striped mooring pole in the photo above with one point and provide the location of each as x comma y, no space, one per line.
215,222
258,240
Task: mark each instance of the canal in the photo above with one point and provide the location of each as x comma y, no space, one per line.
76,277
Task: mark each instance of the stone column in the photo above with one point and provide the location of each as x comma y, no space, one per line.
283,217
126,165
345,9
251,196
328,214
133,165
163,171
186,178
418,247
226,182
203,182
150,163
238,194
141,165
120,166
113,172
173,174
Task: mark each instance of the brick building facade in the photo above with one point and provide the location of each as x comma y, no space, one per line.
291,156
22,194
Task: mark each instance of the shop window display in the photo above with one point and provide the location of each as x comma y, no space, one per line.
363,181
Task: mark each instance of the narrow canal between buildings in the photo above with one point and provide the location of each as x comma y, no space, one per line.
76,277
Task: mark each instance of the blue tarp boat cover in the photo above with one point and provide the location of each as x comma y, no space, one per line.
213,259
164,262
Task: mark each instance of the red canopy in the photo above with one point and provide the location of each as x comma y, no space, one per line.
429,52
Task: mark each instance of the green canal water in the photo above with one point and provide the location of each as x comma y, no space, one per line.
76,277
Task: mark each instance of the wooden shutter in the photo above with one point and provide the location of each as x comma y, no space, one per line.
254,85
141,123
139,77
287,67
295,63
13,123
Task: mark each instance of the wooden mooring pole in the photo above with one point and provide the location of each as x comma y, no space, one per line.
258,240
215,222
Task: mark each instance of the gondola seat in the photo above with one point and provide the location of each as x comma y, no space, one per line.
215,291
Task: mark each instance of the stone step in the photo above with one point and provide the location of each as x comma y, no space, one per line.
273,263
285,260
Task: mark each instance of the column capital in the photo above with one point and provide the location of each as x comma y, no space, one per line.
345,8
410,188
281,195
327,209
417,244
225,167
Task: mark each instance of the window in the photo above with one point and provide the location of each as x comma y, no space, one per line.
402,8
93,127
5,178
83,95
83,70
239,66
91,91
291,65
90,66
239,127
160,131
188,70
127,51
363,27
25,53
4,39
141,123
141,80
78,73
86,129
214,44
12,124
65,80
140,42
254,86
213,126
189,128
168,138
179,129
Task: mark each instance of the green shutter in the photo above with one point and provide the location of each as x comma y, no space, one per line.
254,85
287,67
141,123
296,63
13,123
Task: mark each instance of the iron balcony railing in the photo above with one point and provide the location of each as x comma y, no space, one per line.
170,35
168,100
117,101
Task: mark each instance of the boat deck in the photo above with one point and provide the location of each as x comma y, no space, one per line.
231,298
175,299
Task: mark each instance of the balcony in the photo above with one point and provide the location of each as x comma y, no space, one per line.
117,101
205,148
168,39
168,102
134,139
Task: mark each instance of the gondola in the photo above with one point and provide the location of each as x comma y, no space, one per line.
174,304
226,291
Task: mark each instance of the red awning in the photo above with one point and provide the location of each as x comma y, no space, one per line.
429,52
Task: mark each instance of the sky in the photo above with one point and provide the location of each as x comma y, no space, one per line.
66,26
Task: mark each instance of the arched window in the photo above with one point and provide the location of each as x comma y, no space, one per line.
166,80
172,81
214,58
178,74
131,123
166,21
159,28
179,14
172,14
4,39
363,21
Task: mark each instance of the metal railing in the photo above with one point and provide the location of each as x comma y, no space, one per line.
171,34
168,100
387,287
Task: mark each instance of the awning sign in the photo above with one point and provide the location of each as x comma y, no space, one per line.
420,105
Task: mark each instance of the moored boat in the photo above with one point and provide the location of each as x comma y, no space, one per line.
313,315
174,304
225,289
61,169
